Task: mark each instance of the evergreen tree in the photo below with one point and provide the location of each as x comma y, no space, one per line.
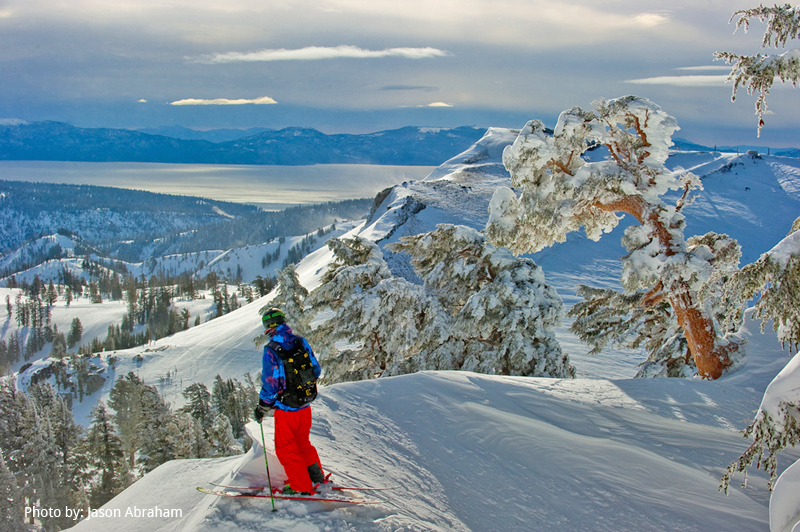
158,431
107,458
59,349
775,276
42,462
221,436
503,311
198,404
125,399
14,349
5,363
75,333
13,405
12,506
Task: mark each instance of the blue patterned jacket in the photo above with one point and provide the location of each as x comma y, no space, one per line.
273,378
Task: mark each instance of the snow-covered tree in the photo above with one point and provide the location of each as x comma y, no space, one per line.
125,399
757,72
107,458
41,459
562,192
290,299
775,278
503,311
776,275
458,319
198,404
357,266
222,440
383,326
11,504
156,426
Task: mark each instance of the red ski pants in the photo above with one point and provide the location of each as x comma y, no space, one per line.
293,448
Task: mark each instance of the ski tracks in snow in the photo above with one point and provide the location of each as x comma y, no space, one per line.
788,177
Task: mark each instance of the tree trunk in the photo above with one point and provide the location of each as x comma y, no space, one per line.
710,357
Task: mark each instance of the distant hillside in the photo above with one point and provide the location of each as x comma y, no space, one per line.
211,135
56,141
100,214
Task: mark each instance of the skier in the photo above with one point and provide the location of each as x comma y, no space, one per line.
288,385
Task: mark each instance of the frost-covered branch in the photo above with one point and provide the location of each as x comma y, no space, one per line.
610,317
775,427
776,276
758,72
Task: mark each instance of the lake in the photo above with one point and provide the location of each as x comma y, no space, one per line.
269,187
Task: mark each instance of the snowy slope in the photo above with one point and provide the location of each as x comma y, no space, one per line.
473,452
247,261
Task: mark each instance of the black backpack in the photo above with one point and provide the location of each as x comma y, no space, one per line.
301,383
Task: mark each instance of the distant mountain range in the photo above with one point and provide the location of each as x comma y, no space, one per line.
685,145
57,141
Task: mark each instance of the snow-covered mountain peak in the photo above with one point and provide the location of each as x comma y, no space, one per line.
481,160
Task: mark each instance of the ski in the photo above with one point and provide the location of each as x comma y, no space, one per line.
336,488
222,493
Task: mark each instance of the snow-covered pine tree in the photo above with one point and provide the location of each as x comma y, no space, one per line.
185,436
562,192
221,436
290,299
107,458
12,513
385,326
125,399
758,72
357,266
156,425
13,405
42,462
55,418
198,404
776,275
503,311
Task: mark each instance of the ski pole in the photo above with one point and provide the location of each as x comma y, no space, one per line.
266,463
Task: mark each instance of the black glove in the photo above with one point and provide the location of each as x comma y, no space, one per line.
263,409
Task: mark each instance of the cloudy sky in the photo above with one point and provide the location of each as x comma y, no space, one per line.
367,65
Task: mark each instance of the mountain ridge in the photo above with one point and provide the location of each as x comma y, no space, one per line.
59,141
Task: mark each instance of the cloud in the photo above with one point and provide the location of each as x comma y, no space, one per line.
141,101
709,67
314,53
681,81
408,88
649,20
264,100
438,104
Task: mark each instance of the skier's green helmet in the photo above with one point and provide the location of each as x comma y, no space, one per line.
272,317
